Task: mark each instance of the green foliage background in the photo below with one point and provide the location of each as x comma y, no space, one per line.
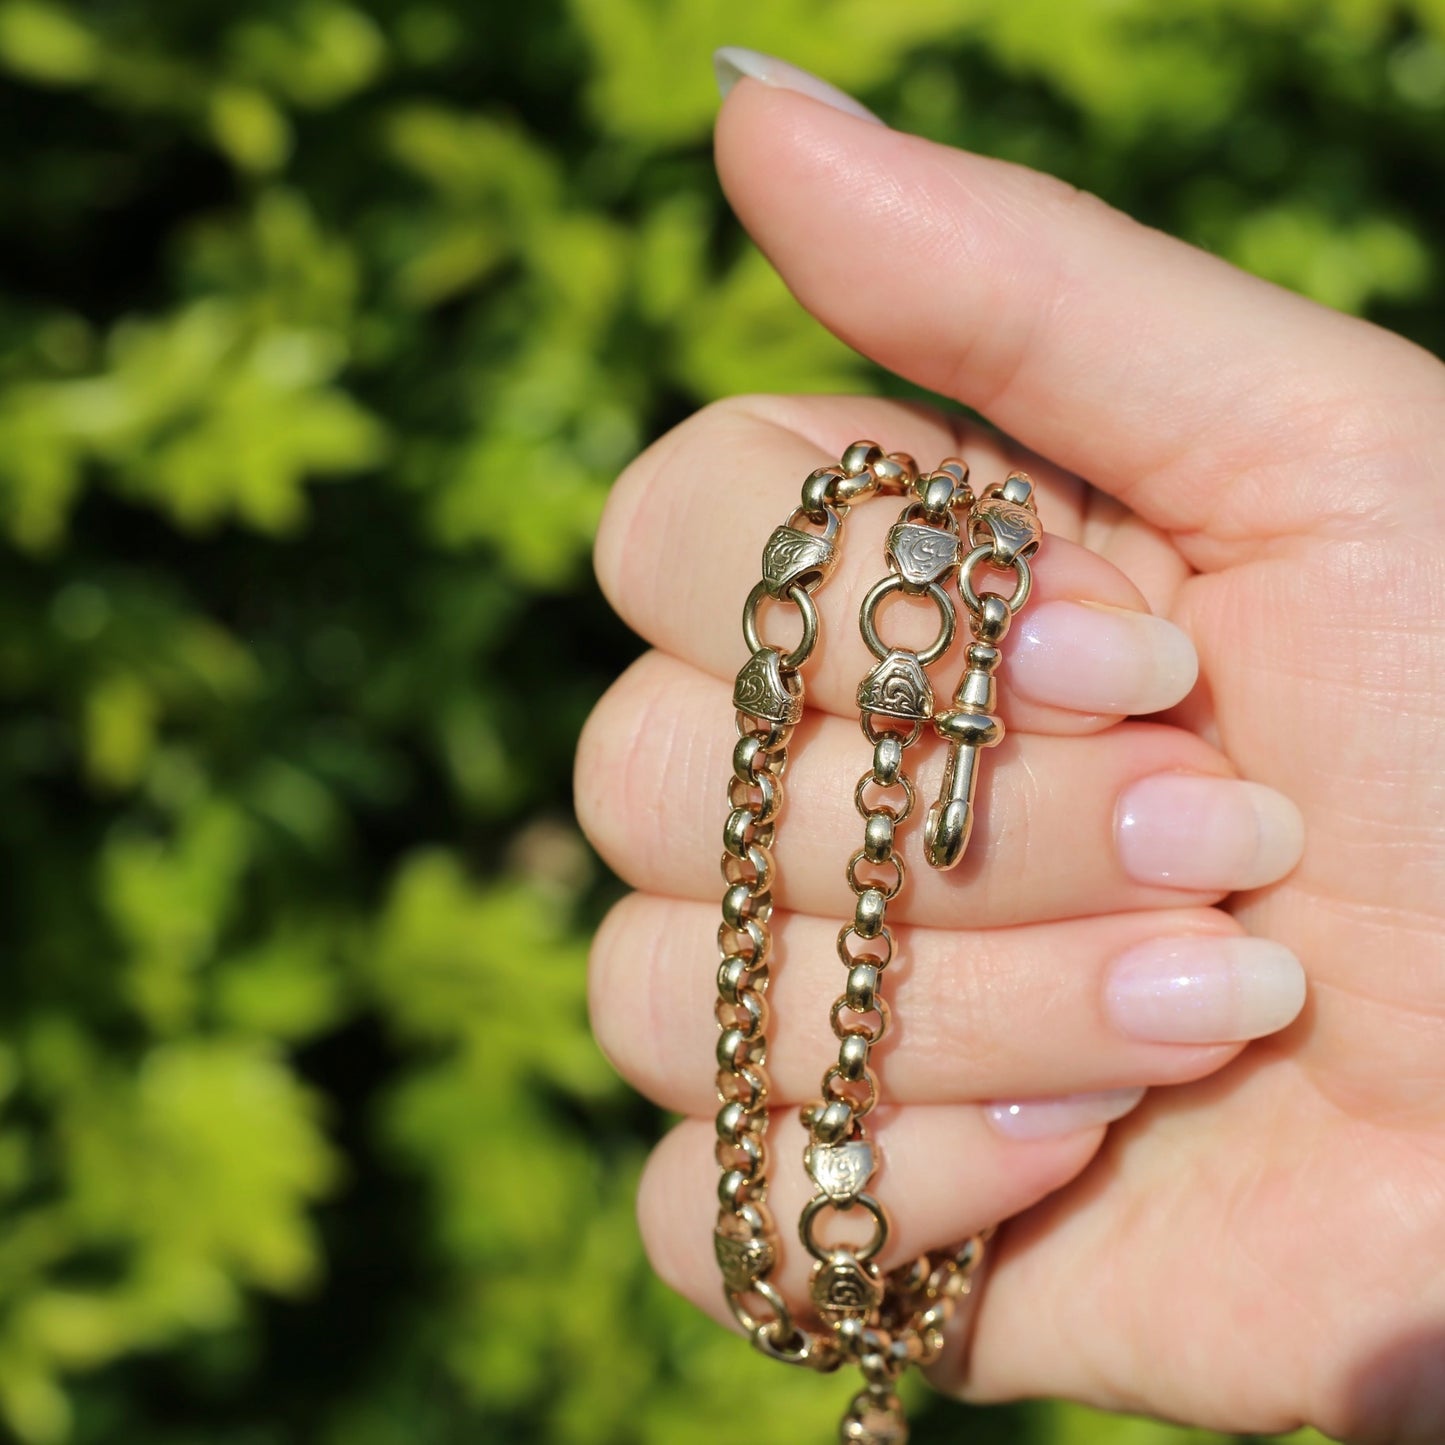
325,326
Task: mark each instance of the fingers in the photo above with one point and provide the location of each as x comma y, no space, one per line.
1240,1231
946,1173
1138,816
1224,409
1121,1001
680,544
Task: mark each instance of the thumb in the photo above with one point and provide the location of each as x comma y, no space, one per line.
1217,406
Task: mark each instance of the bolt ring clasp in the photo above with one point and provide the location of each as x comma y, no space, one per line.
947,621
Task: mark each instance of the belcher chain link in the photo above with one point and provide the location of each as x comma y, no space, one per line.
883,1323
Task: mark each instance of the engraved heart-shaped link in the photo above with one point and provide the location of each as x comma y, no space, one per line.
841,1171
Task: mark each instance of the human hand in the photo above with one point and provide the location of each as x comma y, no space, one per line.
1252,1251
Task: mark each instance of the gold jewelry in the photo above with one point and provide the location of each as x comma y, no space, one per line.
883,1323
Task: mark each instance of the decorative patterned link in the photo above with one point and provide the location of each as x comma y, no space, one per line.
882,1323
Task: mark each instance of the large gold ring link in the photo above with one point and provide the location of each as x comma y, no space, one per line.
947,623
798,595
867,1203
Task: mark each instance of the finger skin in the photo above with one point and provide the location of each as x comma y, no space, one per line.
944,1175
1233,413
1161,1225
656,753
1253,1251
706,497
1003,1013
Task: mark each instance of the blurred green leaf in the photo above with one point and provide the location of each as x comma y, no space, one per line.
249,128
46,43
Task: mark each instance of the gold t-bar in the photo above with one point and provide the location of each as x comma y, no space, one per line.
1004,530
968,727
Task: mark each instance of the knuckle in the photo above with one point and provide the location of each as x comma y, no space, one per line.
670,1199
635,1004
643,485
608,960
602,958
639,732
591,771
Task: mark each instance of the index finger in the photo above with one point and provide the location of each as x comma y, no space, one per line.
680,545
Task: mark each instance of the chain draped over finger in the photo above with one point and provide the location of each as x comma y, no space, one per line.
883,1323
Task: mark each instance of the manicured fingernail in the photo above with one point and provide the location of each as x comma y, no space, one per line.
1093,658
1204,990
732,62
1187,831
1046,1118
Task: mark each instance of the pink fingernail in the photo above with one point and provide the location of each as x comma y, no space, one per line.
1047,1118
1092,658
733,62
1204,990
1184,830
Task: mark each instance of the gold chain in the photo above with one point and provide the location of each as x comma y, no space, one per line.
883,1323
